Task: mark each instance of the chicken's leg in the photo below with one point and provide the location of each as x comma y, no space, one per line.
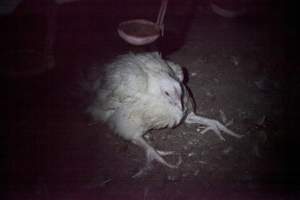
151,155
211,124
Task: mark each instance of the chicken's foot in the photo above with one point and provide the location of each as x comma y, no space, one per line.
211,124
151,155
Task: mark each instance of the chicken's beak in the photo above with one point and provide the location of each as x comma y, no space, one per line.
178,104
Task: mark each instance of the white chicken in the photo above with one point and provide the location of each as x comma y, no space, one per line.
140,92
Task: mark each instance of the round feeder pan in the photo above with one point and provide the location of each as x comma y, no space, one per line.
139,31
228,11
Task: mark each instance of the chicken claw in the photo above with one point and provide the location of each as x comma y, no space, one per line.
151,155
211,124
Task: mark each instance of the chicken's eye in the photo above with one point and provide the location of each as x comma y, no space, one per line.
167,93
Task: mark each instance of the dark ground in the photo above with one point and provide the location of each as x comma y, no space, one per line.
242,67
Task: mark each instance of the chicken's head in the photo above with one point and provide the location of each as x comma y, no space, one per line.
171,90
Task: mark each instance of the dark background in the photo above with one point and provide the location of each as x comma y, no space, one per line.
50,151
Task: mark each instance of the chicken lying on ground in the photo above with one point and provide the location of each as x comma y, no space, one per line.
138,93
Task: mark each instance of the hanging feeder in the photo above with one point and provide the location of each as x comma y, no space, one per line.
140,31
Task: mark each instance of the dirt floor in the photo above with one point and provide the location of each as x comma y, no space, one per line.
238,70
